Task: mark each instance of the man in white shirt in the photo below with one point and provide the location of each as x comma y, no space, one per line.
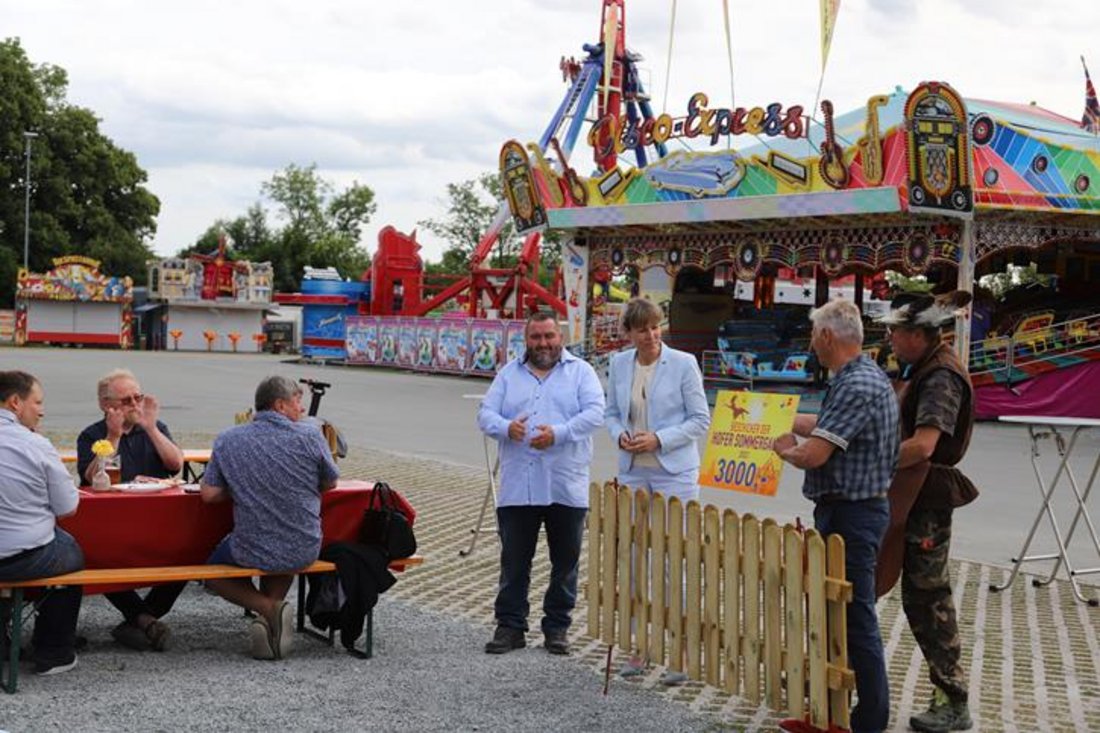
36,489
542,409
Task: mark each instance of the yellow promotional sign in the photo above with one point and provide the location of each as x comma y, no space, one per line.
739,452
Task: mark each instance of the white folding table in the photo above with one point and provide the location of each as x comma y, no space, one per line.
1057,429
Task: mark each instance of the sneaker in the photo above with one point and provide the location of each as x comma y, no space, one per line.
942,715
286,630
46,669
556,642
632,667
673,679
260,635
505,640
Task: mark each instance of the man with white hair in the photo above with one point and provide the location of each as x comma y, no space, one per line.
145,448
849,452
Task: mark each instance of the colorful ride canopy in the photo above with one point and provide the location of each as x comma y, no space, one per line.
925,151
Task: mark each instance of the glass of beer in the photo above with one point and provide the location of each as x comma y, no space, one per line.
112,464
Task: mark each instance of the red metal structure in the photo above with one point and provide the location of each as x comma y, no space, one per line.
396,274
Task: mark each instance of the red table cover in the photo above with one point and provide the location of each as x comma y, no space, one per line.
170,527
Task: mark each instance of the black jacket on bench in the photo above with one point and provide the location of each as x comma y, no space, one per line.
362,573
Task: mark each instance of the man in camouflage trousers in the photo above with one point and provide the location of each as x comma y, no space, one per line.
937,418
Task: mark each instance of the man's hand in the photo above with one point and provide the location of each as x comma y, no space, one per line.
517,429
115,419
784,443
543,438
147,413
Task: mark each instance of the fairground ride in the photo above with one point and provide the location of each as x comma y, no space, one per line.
608,76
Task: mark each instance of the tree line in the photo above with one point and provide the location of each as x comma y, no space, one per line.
90,196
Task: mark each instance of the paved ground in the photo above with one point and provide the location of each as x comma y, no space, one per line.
1033,654
428,416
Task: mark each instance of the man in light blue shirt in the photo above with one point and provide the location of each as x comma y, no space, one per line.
36,489
542,409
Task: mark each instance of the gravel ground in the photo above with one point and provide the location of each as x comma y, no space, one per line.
429,673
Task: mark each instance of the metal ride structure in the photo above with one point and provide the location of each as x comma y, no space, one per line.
612,80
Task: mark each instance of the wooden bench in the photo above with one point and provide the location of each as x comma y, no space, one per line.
14,589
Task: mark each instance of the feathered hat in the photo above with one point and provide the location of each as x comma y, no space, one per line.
918,310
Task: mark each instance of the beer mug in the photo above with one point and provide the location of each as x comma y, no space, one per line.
112,464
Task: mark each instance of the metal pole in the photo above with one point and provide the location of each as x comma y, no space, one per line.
27,137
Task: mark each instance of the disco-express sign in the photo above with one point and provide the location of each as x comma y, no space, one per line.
610,135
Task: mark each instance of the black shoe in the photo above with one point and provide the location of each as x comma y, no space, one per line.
505,640
556,642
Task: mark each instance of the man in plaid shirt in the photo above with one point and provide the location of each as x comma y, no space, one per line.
849,452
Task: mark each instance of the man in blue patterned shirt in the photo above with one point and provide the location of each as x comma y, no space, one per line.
273,470
849,452
542,409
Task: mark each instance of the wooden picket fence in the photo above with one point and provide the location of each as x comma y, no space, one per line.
744,601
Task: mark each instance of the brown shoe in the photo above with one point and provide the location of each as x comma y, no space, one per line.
159,636
556,642
130,636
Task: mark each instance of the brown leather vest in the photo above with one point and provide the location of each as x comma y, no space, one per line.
949,448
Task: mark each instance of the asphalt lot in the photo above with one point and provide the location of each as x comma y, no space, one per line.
432,417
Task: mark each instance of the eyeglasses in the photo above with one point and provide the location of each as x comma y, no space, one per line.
134,399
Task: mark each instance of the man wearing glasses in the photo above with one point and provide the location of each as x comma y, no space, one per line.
145,448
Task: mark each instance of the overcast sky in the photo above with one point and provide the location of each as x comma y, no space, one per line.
406,96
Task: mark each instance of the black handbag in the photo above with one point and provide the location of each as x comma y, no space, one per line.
385,525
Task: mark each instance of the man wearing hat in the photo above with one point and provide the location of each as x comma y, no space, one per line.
937,417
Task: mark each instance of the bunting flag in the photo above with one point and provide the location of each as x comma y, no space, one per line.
829,10
729,47
1091,119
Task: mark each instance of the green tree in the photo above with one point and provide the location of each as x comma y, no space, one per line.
88,196
322,227
471,207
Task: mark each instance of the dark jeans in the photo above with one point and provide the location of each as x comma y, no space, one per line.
157,602
862,524
519,534
55,627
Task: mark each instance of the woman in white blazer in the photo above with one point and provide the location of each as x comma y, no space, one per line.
656,412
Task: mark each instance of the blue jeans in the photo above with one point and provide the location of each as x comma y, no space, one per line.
862,525
58,609
519,534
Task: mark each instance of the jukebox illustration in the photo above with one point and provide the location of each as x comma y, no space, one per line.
938,144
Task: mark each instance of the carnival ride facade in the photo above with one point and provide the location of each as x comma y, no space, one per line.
207,302
73,304
925,182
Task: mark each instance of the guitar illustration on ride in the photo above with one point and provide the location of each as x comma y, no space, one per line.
831,166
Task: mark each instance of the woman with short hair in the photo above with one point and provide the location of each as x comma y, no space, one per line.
656,413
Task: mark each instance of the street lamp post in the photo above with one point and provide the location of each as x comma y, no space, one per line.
28,135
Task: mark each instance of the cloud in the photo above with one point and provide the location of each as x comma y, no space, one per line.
406,97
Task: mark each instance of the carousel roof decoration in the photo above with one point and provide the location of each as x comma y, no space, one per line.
74,278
